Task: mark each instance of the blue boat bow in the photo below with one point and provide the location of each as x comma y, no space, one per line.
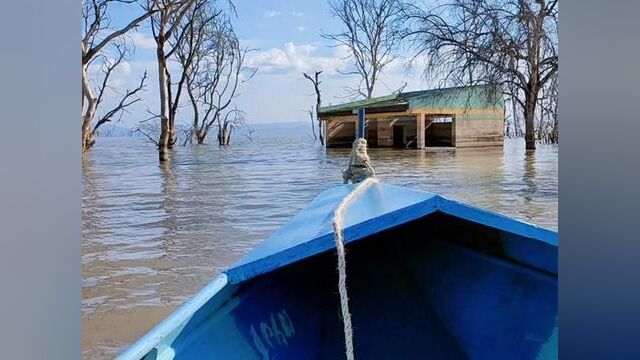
492,258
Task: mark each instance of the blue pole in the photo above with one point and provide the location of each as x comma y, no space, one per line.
361,123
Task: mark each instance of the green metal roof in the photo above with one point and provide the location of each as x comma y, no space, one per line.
354,105
479,96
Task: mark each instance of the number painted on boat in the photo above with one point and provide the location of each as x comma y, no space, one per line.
273,333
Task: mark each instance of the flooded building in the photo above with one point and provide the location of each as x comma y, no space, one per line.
457,117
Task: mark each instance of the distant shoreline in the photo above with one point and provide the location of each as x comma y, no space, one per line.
123,131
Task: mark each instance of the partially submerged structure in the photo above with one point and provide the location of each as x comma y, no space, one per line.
471,116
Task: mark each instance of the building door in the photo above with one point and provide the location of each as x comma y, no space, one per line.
440,131
398,136
372,133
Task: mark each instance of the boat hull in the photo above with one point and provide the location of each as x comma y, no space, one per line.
438,287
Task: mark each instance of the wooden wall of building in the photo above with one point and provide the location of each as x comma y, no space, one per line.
385,136
340,133
474,128
476,131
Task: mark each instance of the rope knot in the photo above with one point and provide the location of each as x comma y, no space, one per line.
359,167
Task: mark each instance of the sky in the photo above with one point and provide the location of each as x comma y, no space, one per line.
286,38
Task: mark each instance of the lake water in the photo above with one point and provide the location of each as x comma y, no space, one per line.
154,235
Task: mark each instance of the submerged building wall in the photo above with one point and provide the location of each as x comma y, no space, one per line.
340,133
475,130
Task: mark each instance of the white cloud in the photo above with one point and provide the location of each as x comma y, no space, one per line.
118,74
301,28
295,13
142,41
124,68
420,61
271,13
293,59
342,52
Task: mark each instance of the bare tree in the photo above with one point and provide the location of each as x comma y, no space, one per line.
128,98
166,21
149,130
315,80
192,54
511,44
371,33
231,119
249,133
216,78
97,36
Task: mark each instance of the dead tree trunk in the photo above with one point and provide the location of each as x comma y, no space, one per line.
529,117
529,112
96,37
201,136
92,98
313,126
164,24
226,123
223,137
89,112
316,86
165,129
196,111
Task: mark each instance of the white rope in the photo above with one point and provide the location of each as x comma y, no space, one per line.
359,163
360,153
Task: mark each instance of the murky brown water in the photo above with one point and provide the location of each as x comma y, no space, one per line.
153,236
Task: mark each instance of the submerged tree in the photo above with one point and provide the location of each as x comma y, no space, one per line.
371,30
198,37
315,80
511,44
313,125
103,49
214,80
231,120
191,55
166,21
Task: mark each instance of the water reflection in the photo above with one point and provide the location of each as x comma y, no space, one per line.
529,175
153,235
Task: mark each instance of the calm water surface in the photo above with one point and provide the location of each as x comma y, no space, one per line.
153,235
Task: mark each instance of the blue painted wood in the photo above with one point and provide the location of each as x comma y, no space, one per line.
428,278
381,207
166,331
310,232
361,122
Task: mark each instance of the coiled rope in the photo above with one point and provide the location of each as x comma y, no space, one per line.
359,171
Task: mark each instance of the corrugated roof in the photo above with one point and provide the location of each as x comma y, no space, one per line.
353,105
479,96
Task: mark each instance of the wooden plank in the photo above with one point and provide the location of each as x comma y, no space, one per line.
478,132
384,133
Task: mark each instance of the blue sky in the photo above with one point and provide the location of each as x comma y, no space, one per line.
286,36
